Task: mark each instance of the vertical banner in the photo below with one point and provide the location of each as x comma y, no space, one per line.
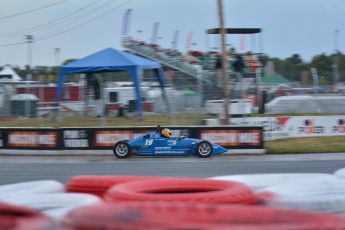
175,39
315,77
189,41
155,33
126,22
243,42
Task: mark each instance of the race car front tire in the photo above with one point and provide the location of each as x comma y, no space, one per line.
204,149
122,150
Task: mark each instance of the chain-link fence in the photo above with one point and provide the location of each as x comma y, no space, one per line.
185,93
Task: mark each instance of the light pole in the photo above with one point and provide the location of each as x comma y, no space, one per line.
139,32
159,39
336,57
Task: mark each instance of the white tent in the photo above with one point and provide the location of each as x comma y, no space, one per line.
9,75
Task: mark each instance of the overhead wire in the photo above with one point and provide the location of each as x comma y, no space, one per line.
50,23
12,44
54,33
76,19
33,10
86,22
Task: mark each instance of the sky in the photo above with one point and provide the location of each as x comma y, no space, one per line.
79,28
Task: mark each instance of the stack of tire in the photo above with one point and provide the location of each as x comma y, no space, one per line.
137,202
257,201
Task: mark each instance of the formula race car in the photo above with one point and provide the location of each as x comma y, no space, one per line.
154,144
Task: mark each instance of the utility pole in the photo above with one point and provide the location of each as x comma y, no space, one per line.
57,61
29,40
224,63
57,57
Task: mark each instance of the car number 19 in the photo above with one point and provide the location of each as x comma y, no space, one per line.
149,142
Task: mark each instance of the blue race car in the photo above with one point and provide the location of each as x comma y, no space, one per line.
153,144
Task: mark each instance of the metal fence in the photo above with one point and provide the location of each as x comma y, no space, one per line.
186,94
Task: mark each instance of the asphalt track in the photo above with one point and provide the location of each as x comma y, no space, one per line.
29,167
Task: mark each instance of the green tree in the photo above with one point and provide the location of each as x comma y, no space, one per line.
322,62
293,67
324,65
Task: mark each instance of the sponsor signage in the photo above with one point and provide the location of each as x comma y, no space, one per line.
32,139
1,139
339,126
234,138
169,152
308,126
107,138
75,138
296,126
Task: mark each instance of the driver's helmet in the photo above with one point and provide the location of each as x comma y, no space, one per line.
166,133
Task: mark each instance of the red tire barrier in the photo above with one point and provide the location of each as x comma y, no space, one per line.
98,185
19,218
182,189
175,215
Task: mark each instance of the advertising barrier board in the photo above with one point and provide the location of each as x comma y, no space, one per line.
293,126
249,137
31,138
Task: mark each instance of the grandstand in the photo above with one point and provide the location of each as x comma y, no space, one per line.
201,71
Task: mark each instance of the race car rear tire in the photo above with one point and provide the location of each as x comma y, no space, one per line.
122,150
204,149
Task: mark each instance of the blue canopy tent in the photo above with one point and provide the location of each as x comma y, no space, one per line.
112,60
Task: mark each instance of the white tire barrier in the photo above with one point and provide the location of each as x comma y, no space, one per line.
308,187
331,203
340,173
324,195
32,187
261,181
54,205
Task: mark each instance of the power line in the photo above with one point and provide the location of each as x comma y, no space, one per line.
12,44
86,22
54,34
33,10
76,19
48,24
